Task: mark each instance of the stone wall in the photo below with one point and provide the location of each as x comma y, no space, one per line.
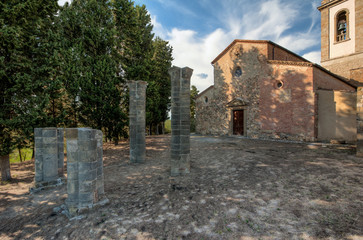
212,117
343,66
204,102
215,117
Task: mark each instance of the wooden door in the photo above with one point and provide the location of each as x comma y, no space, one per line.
238,122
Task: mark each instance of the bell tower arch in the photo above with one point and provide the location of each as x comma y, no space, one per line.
342,37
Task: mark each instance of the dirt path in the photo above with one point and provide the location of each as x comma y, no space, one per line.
238,189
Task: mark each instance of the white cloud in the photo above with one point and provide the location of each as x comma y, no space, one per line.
189,50
62,2
158,29
270,22
313,56
241,19
298,42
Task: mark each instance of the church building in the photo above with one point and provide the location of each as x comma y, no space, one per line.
262,90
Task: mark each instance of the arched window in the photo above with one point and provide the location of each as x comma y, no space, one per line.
342,26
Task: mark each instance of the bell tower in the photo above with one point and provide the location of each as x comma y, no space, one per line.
342,37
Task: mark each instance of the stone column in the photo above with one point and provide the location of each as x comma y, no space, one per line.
85,177
49,156
360,121
137,120
180,120
60,143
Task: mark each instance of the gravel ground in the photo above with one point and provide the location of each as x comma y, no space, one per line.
238,189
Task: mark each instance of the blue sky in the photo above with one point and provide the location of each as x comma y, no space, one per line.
198,30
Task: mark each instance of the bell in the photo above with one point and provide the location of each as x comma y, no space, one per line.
341,26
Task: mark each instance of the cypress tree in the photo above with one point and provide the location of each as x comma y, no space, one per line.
91,71
134,31
22,102
159,88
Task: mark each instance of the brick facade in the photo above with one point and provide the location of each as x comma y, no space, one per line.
360,122
324,34
277,97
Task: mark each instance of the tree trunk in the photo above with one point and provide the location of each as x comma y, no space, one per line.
21,159
5,168
157,129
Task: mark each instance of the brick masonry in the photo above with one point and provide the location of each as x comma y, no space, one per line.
324,13
359,26
180,120
360,121
137,120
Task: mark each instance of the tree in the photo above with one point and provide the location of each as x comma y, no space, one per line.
91,71
159,88
144,58
193,96
21,82
134,32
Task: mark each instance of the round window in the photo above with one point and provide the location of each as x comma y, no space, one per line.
279,84
238,72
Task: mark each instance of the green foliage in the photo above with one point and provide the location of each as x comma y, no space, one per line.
91,65
134,30
23,25
23,32
159,88
168,126
66,67
144,58
26,154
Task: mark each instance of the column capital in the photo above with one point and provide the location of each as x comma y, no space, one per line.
185,72
138,83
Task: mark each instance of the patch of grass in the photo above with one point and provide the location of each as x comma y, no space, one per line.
2,183
26,154
168,126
